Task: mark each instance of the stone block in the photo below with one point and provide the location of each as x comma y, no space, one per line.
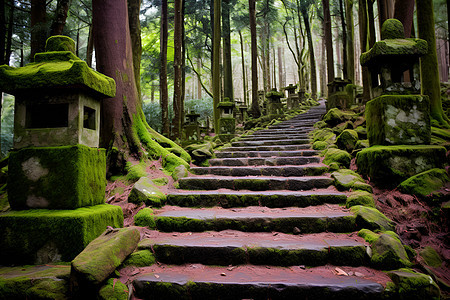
398,120
227,125
145,191
390,165
65,177
39,236
339,100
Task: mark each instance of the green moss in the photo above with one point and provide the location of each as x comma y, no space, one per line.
347,140
413,285
161,181
55,69
425,183
392,29
391,165
145,218
144,191
64,177
319,145
346,179
335,116
371,218
341,157
360,198
141,258
60,43
134,172
33,288
368,235
65,232
387,251
431,257
113,290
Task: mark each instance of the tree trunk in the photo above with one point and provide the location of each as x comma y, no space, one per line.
256,111
2,33
163,92
344,40
177,65
404,12
364,41
199,82
312,59
134,7
428,63
227,68
350,40
183,68
38,27
244,77
8,49
90,46
371,23
59,21
280,67
216,64
328,40
386,10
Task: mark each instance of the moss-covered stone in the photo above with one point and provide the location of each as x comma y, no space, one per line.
362,144
368,235
347,140
398,120
113,290
341,157
101,257
145,218
55,69
161,181
41,235
371,218
391,165
145,191
319,145
388,253
65,177
135,171
425,183
360,198
431,257
179,172
141,258
413,285
346,179
392,29
324,135
335,116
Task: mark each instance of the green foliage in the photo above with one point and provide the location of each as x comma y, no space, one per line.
7,126
113,290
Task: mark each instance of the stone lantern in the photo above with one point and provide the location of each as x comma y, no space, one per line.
337,95
227,122
292,97
242,112
56,172
274,105
191,128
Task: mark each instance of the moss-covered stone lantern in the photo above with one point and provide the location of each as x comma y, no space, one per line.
337,95
274,104
242,112
292,101
191,128
56,172
227,122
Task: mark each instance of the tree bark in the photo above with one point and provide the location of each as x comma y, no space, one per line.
199,80
328,40
256,111
8,49
90,46
428,63
2,32
364,41
280,67
227,67
163,92
350,40
38,27
134,7
244,77
216,64
312,59
386,10
404,11
177,65
59,21
344,40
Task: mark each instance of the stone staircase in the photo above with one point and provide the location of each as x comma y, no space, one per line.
262,222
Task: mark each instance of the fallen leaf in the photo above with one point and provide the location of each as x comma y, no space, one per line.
340,272
156,275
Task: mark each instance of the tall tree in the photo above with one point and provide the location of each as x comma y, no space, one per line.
428,63
328,39
163,92
385,10
364,42
404,11
2,31
350,40
38,26
344,39
216,63
244,76
178,76
304,7
255,110
134,8
227,67
59,20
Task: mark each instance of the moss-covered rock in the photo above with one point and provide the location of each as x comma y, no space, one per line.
398,120
113,290
161,181
347,140
346,179
145,218
362,132
341,157
368,235
388,253
141,258
371,218
335,116
41,235
390,165
360,198
319,145
392,29
101,257
430,257
362,144
324,135
425,183
145,191
413,285
66,177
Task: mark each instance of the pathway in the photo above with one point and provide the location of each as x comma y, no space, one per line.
262,222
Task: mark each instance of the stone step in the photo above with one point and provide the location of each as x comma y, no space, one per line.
285,171
264,161
272,137
232,247
273,199
236,154
270,143
269,148
195,281
313,219
255,183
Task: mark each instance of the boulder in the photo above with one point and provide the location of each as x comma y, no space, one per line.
101,257
145,191
141,258
371,218
425,183
145,218
335,116
113,289
341,157
179,172
360,198
430,257
388,252
413,285
346,179
347,140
